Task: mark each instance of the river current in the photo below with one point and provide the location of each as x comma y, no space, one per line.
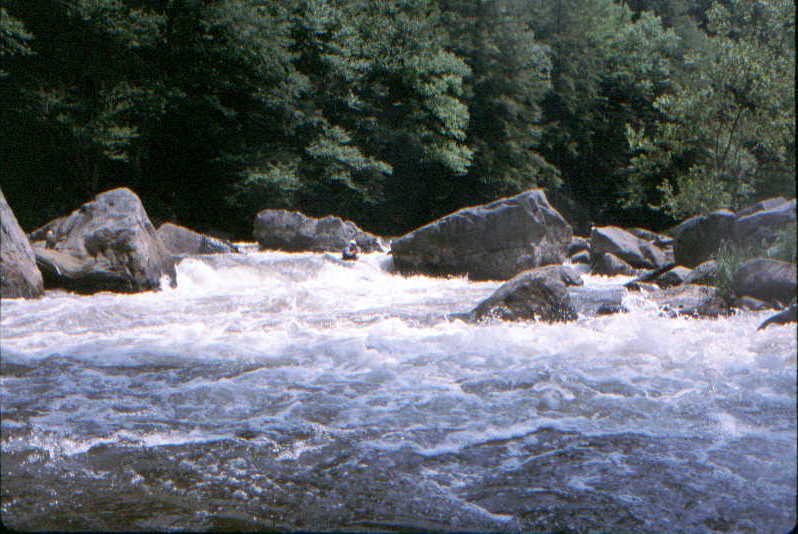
297,392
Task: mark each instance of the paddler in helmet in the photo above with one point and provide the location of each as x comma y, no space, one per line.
350,251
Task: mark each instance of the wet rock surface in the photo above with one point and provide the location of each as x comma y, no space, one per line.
537,294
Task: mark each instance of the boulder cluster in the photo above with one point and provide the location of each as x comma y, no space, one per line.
109,244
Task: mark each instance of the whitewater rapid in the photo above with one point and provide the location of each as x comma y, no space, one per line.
297,391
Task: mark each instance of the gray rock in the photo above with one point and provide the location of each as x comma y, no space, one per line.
698,238
609,264
673,277
790,315
108,244
638,253
581,257
578,244
660,240
751,304
494,241
537,294
652,275
591,301
294,232
704,273
638,285
655,256
760,229
691,300
181,240
762,205
769,280
19,276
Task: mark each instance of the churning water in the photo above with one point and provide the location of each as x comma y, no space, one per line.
293,391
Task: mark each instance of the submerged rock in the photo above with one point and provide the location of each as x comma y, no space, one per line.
294,232
790,315
19,276
181,240
692,300
108,244
536,294
493,241
591,301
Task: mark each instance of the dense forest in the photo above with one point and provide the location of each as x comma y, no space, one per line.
393,113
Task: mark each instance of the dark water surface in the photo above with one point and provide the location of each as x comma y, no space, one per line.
293,392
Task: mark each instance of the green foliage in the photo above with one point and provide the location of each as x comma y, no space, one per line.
393,113
13,37
509,76
608,67
729,257
727,131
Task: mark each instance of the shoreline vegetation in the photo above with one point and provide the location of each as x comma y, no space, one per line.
393,114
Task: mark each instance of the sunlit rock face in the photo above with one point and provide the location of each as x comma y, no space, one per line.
19,276
108,244
493,241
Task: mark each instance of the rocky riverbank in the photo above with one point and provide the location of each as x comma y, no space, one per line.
110,244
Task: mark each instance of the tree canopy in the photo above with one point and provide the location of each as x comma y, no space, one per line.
392,113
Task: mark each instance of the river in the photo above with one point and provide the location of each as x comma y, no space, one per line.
297,392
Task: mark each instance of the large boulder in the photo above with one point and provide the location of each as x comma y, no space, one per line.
536,294
19,276
294,232
772,281
181,240
761,228
108,244
493,241
637,252
699,237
